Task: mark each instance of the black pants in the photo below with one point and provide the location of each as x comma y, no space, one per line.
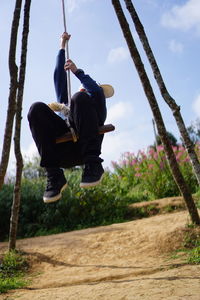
46,126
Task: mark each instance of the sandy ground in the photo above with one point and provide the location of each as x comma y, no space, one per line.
127,261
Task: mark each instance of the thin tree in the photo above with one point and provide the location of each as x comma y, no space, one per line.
13,69
19,160
178,177
163,90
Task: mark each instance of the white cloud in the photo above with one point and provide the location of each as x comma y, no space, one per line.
30,152
119,111
184,17
117,55
196,105
120,141
74,4
124,140
175,46
115,144
12,160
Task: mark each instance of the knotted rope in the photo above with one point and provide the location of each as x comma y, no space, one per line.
67,54
65,111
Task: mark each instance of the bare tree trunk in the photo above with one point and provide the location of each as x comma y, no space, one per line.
157,114
12,95
164,92
19,160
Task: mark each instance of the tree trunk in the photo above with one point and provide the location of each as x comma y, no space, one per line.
19,160
156,113
164,92
12,95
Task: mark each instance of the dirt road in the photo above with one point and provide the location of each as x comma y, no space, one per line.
127,261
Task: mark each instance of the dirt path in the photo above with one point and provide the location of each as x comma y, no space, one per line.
127,261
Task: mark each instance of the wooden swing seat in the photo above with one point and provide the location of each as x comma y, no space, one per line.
68,136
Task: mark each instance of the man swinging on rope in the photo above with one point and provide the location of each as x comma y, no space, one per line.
87,112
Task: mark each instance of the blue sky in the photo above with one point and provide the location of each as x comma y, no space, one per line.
97,46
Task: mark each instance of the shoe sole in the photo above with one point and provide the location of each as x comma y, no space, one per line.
90,184
55,198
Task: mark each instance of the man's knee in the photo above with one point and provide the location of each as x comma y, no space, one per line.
36,107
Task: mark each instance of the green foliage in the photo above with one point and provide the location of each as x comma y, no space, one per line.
171,137
32,168
12,269
191,245
6,194
151,172
136,178
198,198
194,255
78,208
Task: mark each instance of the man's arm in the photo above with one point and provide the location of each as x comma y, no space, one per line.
88,83
60,78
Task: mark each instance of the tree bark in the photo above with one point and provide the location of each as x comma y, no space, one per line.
178,177
19,160
163,90
12,94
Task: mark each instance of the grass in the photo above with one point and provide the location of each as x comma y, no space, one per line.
13,266
194,256
191,246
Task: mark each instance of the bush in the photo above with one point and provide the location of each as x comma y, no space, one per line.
6,195
136,178
78,208
150,172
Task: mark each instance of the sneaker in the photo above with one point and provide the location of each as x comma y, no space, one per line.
55,187
92,175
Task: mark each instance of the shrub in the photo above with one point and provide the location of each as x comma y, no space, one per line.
6,195
150,170
136,178
78,208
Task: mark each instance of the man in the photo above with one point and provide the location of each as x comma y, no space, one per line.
87,112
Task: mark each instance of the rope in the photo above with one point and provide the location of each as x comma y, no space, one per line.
64,18
68,75
67,55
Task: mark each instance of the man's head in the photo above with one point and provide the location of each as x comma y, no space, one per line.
107,89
